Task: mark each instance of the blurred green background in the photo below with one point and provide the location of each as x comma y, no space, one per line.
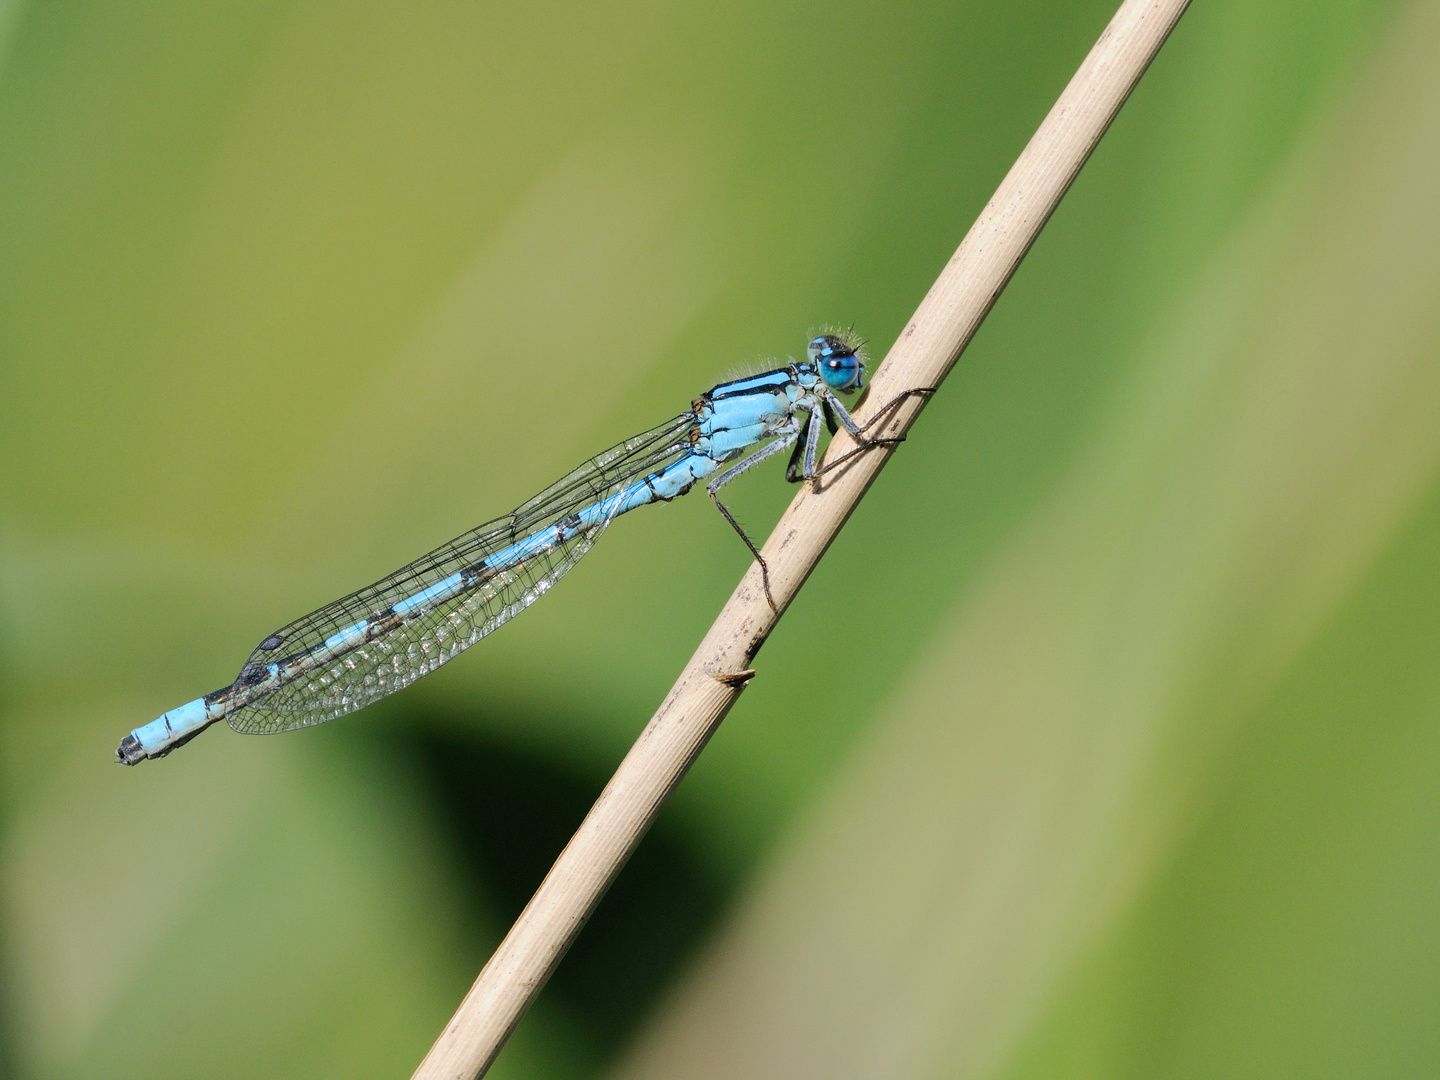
1102,743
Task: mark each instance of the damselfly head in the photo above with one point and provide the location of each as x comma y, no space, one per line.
840,357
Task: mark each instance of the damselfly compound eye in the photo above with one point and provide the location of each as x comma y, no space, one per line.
837,360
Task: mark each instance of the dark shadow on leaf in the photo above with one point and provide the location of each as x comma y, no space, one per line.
509,811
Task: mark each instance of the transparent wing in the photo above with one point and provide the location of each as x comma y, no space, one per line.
319,681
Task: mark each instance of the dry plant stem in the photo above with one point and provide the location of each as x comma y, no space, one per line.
712,680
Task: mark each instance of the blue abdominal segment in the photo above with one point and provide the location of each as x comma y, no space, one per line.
441,590
176,727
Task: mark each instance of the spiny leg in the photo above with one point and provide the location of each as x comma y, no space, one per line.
793,474
779,445
857,431
812,444
802,461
